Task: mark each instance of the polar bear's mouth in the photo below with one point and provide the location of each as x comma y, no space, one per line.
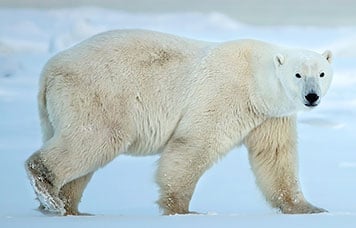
311,105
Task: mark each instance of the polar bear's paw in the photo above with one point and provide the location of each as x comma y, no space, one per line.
302,208
49,202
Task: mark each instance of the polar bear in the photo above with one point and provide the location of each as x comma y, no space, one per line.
140,92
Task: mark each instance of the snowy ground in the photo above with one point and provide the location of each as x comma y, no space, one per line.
123,193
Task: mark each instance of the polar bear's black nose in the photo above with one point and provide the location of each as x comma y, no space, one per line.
311,98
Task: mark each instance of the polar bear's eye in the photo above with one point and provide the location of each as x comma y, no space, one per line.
322,74
298,75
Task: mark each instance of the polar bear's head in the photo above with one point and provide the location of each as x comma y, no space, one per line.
305,76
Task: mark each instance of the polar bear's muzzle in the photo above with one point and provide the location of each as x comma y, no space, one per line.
311,94
312,99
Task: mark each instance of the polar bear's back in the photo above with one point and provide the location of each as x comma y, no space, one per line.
135,57
138,48
124,55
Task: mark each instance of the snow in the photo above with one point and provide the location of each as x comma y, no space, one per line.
123,194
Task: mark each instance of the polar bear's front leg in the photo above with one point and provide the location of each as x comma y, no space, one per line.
181,165
273,157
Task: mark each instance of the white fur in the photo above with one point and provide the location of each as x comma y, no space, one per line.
140,92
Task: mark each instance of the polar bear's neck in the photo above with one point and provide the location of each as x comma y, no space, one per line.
268,92
249,65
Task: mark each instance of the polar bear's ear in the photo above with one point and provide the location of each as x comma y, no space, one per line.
328,55
279,60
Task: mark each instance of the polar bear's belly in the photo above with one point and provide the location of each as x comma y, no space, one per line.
152,135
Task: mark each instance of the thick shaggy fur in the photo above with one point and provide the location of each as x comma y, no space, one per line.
140,93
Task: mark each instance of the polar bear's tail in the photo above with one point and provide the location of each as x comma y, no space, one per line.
47,128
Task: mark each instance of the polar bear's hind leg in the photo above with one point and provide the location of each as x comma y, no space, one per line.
41,181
